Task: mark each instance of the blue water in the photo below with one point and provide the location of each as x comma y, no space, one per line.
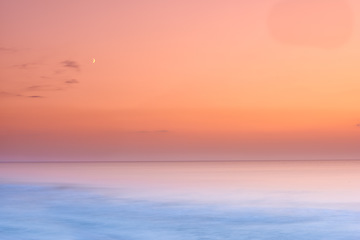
45,212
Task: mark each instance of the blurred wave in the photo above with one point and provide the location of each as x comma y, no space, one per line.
39,212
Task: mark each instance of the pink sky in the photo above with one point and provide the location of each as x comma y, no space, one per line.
179,80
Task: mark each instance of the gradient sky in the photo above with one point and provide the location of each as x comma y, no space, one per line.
179,80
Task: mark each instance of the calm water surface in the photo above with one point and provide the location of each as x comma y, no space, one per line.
180,200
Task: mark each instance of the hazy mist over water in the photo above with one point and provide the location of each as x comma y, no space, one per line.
180,200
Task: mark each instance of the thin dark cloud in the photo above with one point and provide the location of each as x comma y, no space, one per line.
43,88
7,50
143,131
9,94
358,125
157,131
162,131
72,81
71,64
22,66
35,96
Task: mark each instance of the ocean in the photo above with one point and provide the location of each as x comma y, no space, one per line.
263,200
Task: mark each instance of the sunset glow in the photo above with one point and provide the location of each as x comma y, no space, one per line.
179,120
179,80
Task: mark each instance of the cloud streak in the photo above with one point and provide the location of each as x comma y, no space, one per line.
23,65
71,64
7,50
43,88
72,81
9,94
157,131
42,83
35,96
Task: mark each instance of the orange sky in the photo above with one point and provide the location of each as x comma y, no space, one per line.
179,80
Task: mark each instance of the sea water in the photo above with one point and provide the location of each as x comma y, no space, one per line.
180,200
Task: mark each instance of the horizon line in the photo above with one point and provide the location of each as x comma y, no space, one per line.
169,161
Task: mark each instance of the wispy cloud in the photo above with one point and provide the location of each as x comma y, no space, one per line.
35,96
23,65
358,125
71,81
156,131
10,94
7,50
61,80
44,88
71,64
162,131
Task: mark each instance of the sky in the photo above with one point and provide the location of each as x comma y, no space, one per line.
179,80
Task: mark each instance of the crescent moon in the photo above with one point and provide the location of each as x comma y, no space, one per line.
93,60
